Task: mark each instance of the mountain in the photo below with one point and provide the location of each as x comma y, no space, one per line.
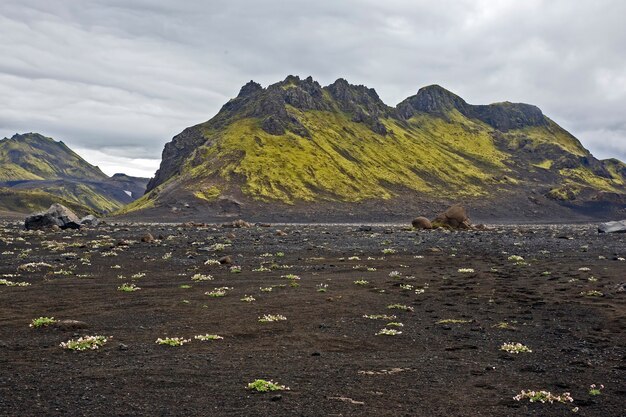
36,171
297,150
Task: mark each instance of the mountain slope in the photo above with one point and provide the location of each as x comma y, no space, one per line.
295,143
35,170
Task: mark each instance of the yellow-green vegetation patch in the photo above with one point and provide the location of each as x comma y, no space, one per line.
546,164
346,161
208,194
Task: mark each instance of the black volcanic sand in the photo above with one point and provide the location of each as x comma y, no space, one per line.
326,351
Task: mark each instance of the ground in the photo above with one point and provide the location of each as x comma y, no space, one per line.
564,300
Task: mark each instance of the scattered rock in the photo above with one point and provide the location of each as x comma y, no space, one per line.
57,215
237,224
122,346
422,223
280,233
454,217
226,260
147,238
89,220
365,228
613,227
263,225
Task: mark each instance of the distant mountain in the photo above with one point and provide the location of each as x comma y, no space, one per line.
36,171
296,150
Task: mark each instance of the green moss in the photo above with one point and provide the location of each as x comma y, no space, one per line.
550,134
547,164
346,161
145,202
208,194
30,201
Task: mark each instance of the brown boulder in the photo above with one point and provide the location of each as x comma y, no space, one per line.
226,260
421,223
454,217
147,238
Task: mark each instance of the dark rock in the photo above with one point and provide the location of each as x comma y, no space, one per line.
57,214
226,260
365,228
421,223
237,224
122,347
613,227
147,238
89,220
273,126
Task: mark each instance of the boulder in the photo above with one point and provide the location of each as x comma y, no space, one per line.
147,238
421,223
89,220
57,214
454,217
613,227
225,260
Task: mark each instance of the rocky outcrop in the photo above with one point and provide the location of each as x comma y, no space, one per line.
57,215
504,116
613,227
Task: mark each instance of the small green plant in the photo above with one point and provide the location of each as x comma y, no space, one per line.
466,270
42,322
261,385
201,277
361,282
543,397
235,269
595,389
453,321
503,325
184,286
218,292
270,318
167,256
84,343
291,277
322,287
126,287
515,258
388,251
172,341
399,307
395,324
205,337
515,348
592,293
13,284
379,317
388,332
266,289
212,262
248,298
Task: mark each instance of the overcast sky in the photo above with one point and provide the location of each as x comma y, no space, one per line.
116,79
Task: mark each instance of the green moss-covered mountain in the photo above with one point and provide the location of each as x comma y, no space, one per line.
297,147
36,171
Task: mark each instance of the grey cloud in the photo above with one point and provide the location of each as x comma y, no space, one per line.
119,78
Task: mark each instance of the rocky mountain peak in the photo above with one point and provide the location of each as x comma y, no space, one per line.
250,88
